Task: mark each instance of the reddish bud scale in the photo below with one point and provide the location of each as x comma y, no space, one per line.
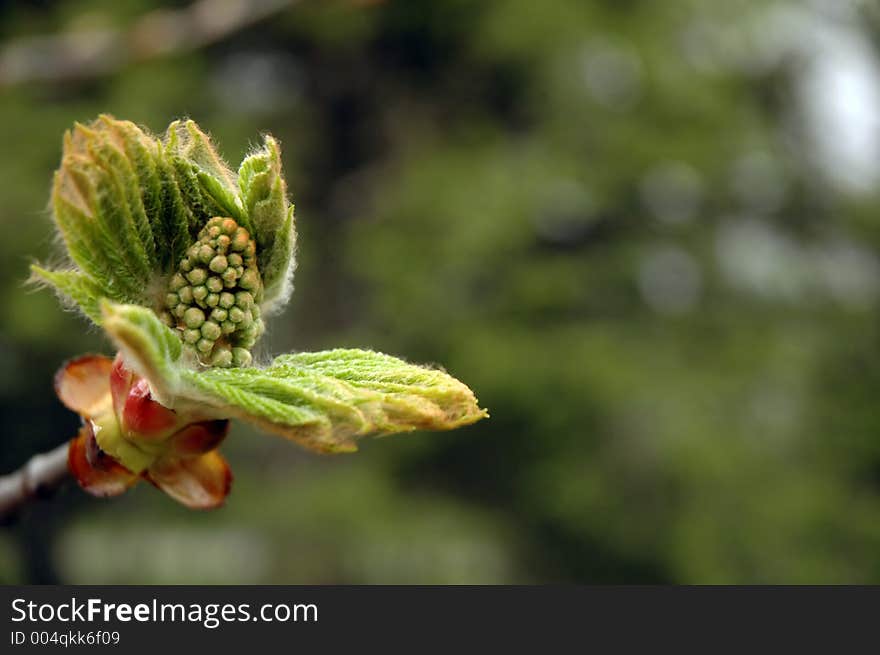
94,470
185,463
120,382
198,438
145,417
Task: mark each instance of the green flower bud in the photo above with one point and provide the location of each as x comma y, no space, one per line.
222,357
240,240
229,277
197,276
241,357
177,282
228,226
250,279
244,300
194,317
210,330
215,292
206,254
214,284
218,264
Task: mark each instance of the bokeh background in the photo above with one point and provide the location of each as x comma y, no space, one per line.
646,233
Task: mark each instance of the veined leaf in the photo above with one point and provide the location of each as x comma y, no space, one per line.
325,400
278,266
124,154
174,218
222,197
90,245
150,348
264,193
185,139
76,286
130,206
264,197
202,205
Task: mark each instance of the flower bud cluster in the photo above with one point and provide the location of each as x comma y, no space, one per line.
213,298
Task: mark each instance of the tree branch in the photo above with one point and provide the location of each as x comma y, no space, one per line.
37,479
77,55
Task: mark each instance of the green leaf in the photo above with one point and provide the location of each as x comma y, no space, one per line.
174,218
222,197
77,287
139,154
118,209
150,348
412,397
186,140
278,266
264,197
109,154
129,207
201,205
264,194
324,401
327,400
90,243
82,234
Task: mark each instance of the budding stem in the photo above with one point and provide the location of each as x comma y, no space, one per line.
37,479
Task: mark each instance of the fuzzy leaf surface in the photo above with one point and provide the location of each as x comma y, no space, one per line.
324,400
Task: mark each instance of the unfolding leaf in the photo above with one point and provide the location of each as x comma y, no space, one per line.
150,348
223,198
278,266
94,471
200,482
184,138
264,198
324,400
83,385
264,193
75,286
129,207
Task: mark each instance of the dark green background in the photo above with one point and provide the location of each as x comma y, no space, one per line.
634,228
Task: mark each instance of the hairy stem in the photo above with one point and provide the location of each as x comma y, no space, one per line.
38,478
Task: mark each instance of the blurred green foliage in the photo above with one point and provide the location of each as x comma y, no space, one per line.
616,221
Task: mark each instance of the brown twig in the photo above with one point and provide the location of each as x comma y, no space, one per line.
41,475
76,55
